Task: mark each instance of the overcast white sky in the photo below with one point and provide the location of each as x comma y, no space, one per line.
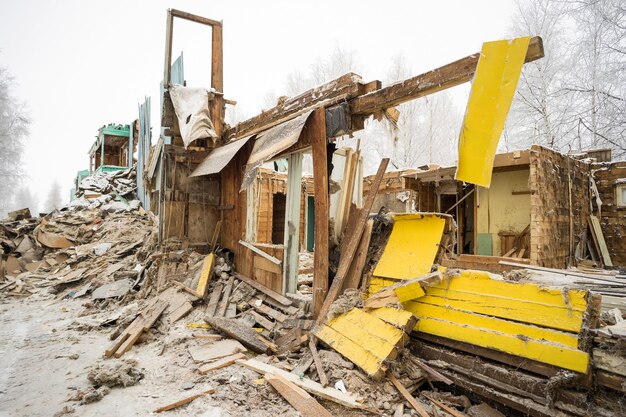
82,64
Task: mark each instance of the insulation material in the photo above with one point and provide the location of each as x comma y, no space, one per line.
412,246
522,319
219,158
494,84
191,105
270,143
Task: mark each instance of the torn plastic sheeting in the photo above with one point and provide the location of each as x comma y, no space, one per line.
272,142
191,105
493,87
219,158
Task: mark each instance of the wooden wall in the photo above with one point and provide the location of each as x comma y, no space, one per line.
190,205
393,192
551,173
613,219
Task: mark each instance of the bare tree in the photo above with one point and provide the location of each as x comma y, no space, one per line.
54,200
14,123
25,198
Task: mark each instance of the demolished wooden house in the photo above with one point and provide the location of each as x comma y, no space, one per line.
530,205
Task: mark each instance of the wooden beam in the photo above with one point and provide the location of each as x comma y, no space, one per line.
407,396
353,239
316,130
439,79
260,252
292,223
273,294
299,399
333,92
183,401
353,277
318,363
169,24
217,79
194,18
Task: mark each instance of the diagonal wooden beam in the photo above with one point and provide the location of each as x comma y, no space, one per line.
442,78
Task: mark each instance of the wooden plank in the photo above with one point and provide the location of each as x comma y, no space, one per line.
181,311
211,308
353,277
347,252
223,305
270,312
312,387
317,137
217,77
598,237
439,79
292,223
407,396
236,330
169,23
267,265
273,294
217,350
299,399
401,292
267,324
220,363
444,407
205,275
318,363
183,401
260,252
195,18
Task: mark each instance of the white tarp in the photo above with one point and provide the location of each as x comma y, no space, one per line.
191,105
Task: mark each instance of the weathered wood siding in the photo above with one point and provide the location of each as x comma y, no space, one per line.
613,218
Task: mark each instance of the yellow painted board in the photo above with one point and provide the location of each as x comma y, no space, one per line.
545,352
481,282
409,292
505,307
366,337
205,275
352,351
412,246
422,310
395,316
359,319
497,73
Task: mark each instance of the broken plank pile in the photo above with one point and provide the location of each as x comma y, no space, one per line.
110,191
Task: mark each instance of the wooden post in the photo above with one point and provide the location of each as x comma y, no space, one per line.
292,223
317,133
169,25
217,80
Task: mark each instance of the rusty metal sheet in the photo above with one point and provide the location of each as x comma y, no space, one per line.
219,158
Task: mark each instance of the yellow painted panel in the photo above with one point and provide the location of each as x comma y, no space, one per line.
394,316
409,292
545,352
506,308
359,319
480,282
412,246
352,351
493,87
378,283
422,310
205,275
365,337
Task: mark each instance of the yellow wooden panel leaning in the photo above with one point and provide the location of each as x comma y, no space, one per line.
352,351
360,319
497,73
545,352
507,308
412,246
422,310
205,275
366,338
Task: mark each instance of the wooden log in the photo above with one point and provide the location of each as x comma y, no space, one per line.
317,138
297,397
238,331
347,252
439,79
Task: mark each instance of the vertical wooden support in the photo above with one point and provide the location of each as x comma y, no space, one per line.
169,24
217,80
316,129
101,149
292,223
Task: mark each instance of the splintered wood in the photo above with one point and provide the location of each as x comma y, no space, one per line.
142,323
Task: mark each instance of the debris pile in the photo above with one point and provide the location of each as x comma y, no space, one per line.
110,191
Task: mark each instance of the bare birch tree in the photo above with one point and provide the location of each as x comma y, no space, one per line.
54,200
